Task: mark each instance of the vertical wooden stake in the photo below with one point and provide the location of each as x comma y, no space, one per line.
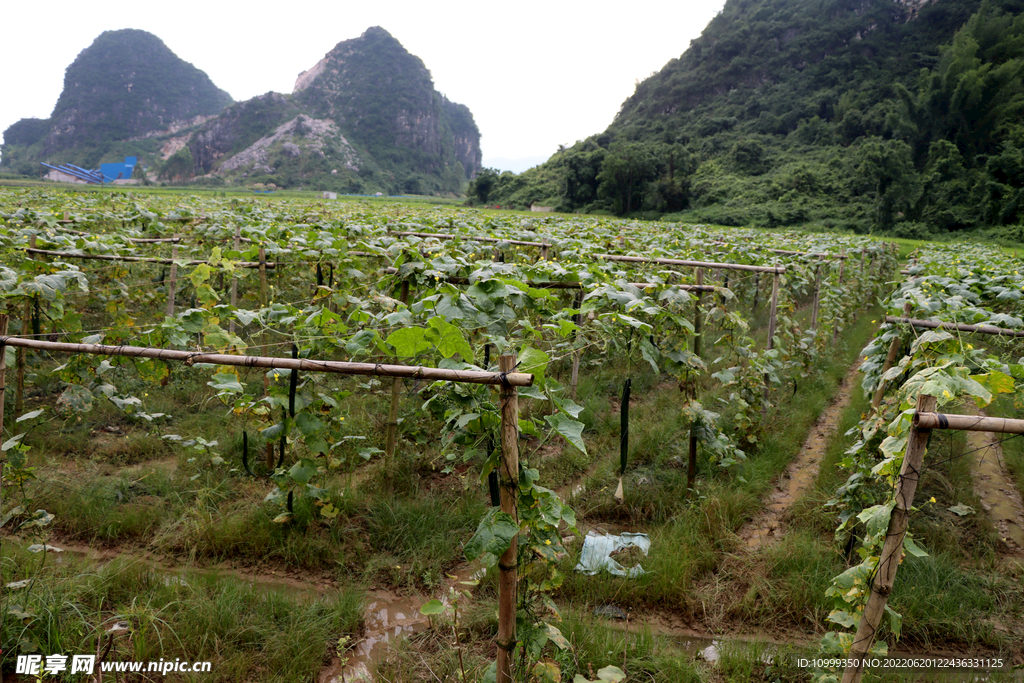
396,394
509,476
234,280
544,251
3,397
173,281
691,471
771,335
817,295
757,294
26,324
263,277
890,358
697,321
842,270
892,551
574,379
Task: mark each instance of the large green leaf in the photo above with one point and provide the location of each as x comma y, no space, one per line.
493,535
569,429
448,339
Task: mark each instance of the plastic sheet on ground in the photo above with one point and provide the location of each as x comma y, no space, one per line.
597,550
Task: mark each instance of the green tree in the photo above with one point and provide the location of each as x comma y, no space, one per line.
627,168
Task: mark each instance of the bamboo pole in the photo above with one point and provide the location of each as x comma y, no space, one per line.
396,394
234,281
784,251
3,403
575,376
890,358
817,296
173,282
971,423
263,277
137,259
892,551
507,563
697,318
516,379
772,315
835,326
468,238
693,264
22,358
558,284
544,251
939,325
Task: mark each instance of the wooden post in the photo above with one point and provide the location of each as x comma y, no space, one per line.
575,377
544,251
22,358
509,478
771,334
263,341
697,322
172,282
263,277
3,397
842,270
234,280
890,358
757,294
892,551
817,295
396,394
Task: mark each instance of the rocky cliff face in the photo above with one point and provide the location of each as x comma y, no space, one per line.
365,118
126,85
384,99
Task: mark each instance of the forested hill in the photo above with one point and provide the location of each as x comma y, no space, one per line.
900,117
124,86
365,118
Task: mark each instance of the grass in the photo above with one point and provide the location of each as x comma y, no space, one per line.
246,631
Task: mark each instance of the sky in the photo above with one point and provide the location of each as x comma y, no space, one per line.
535,74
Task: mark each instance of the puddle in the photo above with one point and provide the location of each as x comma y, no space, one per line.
999,497
767,525
388,617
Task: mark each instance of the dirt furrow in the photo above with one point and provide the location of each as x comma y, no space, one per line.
999,497
767,525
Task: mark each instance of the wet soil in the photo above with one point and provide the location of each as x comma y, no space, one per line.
994,487
769,524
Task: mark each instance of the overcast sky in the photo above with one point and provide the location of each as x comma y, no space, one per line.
534,74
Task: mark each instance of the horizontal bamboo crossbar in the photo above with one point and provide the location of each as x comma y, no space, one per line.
516,379
784,251
971,423
459,280
137,259
445,236
693,264
936,325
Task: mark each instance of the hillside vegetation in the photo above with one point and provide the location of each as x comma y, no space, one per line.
853,114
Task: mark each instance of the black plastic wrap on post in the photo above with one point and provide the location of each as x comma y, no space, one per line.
624,427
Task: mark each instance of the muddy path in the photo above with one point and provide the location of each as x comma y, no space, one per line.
769,524
992,483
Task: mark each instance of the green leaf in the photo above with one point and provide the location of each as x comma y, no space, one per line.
225,382
843,618
493,535
612,674
409,342
302,471
432,607
913,548
448,339
534,362
961,509
569,429
12,442
31,415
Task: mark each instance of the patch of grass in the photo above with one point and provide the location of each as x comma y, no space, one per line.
247,632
